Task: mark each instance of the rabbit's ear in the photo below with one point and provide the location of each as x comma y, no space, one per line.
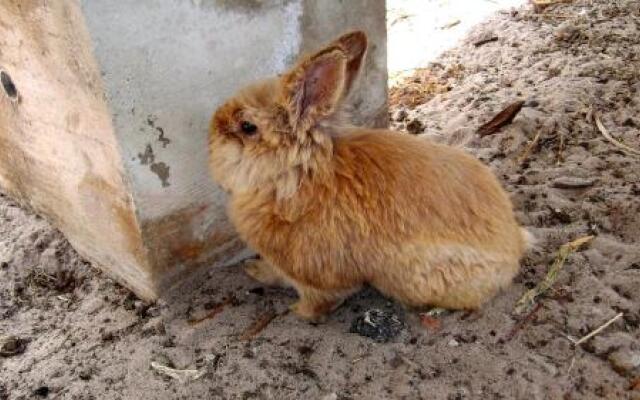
314,88
354,45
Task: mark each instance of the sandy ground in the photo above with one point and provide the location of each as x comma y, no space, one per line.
79,335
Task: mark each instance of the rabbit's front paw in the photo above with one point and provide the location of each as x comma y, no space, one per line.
307,311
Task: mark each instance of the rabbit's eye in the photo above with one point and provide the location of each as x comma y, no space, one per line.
248,128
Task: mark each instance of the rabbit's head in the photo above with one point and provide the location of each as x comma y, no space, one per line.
276,131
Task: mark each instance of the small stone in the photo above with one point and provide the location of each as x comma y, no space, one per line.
129,302
11,346
378,325
415,127
567,182
141,308
85,374
258,291
453,343
560,215
330,396
401,116
154,311
624,362
42,391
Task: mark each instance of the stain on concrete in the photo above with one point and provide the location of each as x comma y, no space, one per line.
174,242
162,170
236,5
147,157
151,121
244,6
161,138
8,85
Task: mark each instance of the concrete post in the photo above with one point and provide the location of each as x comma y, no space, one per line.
106,131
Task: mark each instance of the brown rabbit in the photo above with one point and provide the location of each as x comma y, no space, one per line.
331,208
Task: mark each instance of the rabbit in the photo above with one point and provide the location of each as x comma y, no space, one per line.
330,207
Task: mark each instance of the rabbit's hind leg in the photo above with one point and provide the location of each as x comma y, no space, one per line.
265,273
314,304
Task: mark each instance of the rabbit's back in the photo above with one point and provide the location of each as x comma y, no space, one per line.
419,190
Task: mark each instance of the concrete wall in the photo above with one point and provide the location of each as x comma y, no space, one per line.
163,66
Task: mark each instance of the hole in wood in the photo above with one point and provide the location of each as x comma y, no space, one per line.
8,85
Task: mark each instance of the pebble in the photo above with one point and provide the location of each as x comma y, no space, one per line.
453,343
11,346
401,116
141,308
85,374
415,127
42,391
381,326
567,182
624,362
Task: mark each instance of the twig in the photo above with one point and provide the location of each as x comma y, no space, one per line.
613,141
401,18
450,24
530,146
600,329
573,361
530,297
484,41
503,118
182,375
217,309
258,325
526,319
561,146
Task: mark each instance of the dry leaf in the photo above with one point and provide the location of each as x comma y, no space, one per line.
503,118
433,324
